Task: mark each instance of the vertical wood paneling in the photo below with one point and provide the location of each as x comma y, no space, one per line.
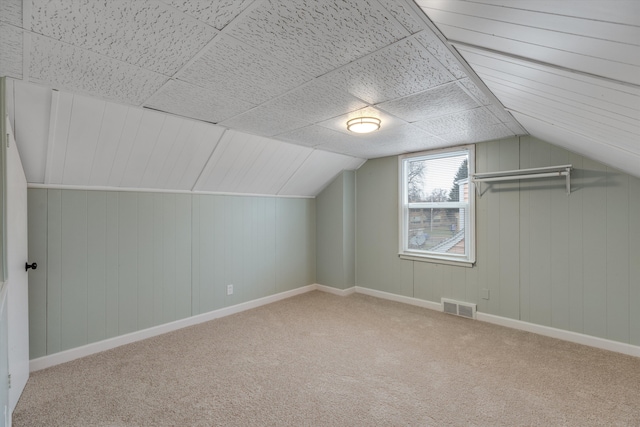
73,318
96,265
112,266
509,233
169,258
37,220
183,255
158,258
576,265
482,217
540,240
634,257
617,247
525,221
271,267
217,255
145,260
295,229
196,296
594,232
54,270
128,262
559,249
493,231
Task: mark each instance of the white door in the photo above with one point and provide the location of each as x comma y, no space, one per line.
17,296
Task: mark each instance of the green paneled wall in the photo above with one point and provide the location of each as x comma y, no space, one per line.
335,249
569,262
111,263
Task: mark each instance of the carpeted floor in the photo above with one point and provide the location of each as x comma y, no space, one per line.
323,360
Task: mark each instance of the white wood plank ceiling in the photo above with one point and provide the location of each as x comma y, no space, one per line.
568,71
276,81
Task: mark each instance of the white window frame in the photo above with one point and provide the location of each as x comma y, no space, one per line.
469,258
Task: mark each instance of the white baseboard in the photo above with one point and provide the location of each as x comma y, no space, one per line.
89,349
399,298
336,291
574,337
86,350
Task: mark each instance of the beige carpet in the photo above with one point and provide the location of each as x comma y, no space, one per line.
323,360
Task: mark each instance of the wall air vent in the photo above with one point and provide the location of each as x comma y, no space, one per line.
459,308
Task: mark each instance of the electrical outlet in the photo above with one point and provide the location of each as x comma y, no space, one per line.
229,289
484,293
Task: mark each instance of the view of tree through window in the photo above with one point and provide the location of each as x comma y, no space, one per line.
436,204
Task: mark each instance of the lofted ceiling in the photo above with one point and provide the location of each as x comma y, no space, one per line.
252,96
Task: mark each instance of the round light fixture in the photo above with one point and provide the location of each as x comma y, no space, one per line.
363,124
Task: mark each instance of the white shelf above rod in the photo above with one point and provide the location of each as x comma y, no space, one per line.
544,172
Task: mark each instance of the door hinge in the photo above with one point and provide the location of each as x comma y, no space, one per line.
9,380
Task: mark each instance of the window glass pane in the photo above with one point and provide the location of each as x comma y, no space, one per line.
436,179
438,230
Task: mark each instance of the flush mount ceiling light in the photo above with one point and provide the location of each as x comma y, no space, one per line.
363,124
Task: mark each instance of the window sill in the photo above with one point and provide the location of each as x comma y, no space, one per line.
408,257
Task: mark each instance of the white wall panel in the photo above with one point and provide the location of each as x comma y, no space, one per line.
319,169
84,130
147,136
113,121
32,108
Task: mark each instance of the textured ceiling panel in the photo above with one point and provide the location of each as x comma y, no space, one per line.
187,100
62,65
317,135
11,12
217,13
402,13
458,122
145,33
400,70
290,31
437,49
475,92
10,51
315,101
445,99
265,121
316,172
478,134
244,73
401,139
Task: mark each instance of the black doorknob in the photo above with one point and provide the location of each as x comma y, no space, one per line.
27,266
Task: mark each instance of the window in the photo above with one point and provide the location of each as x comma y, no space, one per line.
437,215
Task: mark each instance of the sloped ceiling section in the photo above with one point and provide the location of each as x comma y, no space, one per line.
569,71
79,141
289,70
